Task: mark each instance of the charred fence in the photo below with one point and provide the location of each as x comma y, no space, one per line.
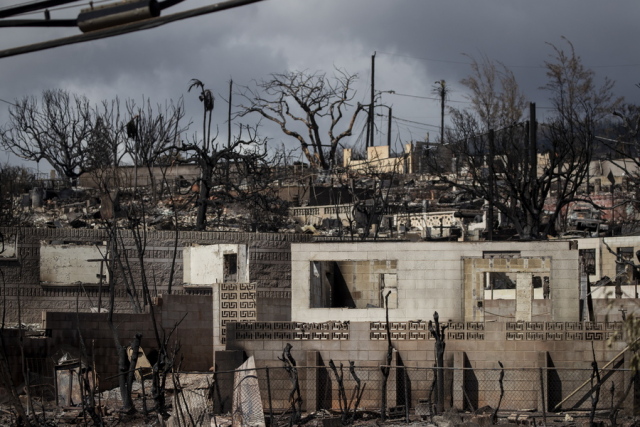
411,391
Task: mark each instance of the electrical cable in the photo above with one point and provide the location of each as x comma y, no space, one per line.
74,6
414,122
126,28
508,66
33,6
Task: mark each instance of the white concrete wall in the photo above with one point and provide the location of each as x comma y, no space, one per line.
68,264
430,277
204,264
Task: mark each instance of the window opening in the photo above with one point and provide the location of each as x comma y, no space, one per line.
625,255
588,257
353,284
230,268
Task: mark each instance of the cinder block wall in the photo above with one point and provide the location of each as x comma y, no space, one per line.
514,343
66,330
560,348
192,318
187,317
269,265
430,277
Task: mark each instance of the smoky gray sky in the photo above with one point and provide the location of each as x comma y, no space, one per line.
416,42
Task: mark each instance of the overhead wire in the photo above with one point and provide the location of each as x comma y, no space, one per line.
58,8
509,66
35,6
126,28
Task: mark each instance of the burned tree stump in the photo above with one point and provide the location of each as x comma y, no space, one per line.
295,397
437,331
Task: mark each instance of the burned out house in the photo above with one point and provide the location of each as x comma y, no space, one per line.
245,294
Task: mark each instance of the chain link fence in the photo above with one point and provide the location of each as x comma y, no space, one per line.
411,392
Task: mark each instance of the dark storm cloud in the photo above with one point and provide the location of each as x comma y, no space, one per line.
418,42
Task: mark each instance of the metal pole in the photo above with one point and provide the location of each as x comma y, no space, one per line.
389,129
229,115
373,84
490,219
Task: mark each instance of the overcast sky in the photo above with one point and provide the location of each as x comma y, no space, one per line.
417,42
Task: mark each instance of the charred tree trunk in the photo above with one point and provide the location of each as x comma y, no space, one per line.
387,367
494,416
595,388
295,397
203,198
438,332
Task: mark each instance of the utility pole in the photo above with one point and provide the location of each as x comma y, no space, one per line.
229,114
389,129
372,105
441,90
229,129
533,143
490,219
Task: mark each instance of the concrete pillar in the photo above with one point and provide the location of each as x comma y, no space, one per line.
458,380
313,391
542,395
226,362
524,297
217,327
448,382
392,384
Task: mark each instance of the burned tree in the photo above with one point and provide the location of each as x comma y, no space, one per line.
295,397
437,331
348,406
505,160
304,103
106,146
494,415
14,181
228,172
373,189
6,379
386,369
153,136
58,129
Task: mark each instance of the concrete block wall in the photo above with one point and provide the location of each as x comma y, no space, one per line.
65,264
66,330
430,276
269,266
192,318
560,348
194,333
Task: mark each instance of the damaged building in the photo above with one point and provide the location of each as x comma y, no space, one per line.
46,269
238,295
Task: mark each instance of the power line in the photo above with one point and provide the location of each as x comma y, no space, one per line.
32,6
126,28
426,59
416,123
508,66
427,97
74,6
